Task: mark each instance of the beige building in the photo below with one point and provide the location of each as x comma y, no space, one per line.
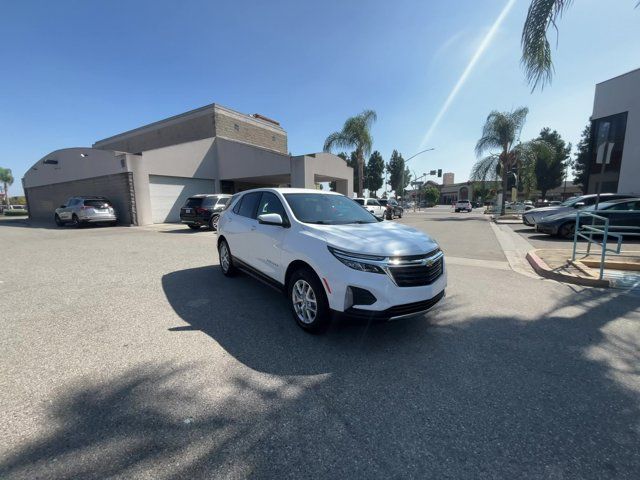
149,172
447,178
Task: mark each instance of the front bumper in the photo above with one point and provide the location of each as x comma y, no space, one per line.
391,300
528,220
397,312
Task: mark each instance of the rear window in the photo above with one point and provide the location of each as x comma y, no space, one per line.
193,202
97,203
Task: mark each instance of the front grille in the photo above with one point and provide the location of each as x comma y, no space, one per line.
417,275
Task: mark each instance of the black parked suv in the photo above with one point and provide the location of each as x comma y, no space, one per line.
203,209
392,208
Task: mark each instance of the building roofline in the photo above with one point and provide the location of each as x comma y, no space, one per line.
618,76
210,108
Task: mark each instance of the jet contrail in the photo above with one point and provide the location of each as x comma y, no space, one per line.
486,41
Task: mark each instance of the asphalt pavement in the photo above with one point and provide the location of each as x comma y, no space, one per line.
127,354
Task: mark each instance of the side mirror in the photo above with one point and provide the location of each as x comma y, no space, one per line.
579,205
271,219
63,206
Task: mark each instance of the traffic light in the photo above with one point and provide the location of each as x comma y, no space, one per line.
439,172
432,172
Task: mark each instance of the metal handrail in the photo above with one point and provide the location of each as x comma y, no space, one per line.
604,231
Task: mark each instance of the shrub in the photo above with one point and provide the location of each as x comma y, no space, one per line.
15,213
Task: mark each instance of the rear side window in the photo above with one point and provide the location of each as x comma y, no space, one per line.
99,203
248,205
209,202
359,200
193,202
223,201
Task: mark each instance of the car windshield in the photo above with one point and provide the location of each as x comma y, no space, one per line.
193,202
97,203
326,209
571,202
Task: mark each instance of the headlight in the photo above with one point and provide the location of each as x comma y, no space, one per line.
357,261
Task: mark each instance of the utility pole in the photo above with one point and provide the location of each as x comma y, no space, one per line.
404,168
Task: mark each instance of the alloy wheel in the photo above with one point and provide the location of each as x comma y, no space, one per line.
304,301
225,259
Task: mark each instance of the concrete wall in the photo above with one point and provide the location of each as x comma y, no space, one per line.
306,170
187,130
234,126
238,160
206,122
622,94
44,199
73,166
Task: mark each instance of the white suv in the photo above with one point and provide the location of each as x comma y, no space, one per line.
463,205
372,205
328,255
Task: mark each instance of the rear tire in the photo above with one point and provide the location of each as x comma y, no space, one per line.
308,301
213,223
59,221
194,227
226,259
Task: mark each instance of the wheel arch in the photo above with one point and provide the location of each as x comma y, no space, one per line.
295,265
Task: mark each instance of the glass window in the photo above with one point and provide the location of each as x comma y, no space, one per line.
359,201
373,202
223,201
193,202
326,209
249,204
98,203
270,203
209,202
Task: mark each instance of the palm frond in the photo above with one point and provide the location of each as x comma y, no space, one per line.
486,169
536,50
336,140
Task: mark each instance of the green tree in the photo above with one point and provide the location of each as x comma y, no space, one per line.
582,160
536,50
355,133
374,172
352,162
6,178
550,162
431,195
501,131
395,167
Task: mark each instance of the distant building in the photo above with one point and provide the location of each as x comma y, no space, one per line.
447,178
615,135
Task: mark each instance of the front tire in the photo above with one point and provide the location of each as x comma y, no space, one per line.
59,221
567,230
308,301
226,259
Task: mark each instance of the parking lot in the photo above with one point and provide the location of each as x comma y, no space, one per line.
127,354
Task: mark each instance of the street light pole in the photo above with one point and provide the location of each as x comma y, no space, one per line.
403,169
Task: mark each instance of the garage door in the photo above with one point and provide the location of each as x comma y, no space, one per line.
168,194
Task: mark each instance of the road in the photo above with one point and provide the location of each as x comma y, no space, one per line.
127,354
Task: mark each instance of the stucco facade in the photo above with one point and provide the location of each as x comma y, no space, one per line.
618,100
212,148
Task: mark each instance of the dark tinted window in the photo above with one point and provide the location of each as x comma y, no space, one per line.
223,201
193,202
359,200
270,203
249,204
209,202
99,203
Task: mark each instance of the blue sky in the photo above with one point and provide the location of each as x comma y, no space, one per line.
77,71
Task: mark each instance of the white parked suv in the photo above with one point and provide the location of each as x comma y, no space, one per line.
463,205
372,205
328,255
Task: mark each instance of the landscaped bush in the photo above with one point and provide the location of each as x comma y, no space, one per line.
15,213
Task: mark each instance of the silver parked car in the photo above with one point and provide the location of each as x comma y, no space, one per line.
83,210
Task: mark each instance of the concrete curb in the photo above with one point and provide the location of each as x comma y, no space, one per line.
544,270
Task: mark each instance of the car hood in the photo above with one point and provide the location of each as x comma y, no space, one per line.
546,211
380,238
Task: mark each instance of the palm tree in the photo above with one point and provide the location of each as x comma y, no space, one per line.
501,131
6,177
355,134
536,51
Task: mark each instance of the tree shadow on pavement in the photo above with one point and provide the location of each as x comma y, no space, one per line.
502,396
